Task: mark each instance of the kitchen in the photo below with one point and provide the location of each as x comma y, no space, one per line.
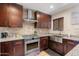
32,29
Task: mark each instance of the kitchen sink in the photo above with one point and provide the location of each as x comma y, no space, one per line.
57,38
58,35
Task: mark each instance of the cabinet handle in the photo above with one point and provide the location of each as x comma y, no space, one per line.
14,51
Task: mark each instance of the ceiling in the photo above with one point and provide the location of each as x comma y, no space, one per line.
45,7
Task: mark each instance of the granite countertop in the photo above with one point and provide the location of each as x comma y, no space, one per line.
75,38
20,38
72,38
10,39
39,35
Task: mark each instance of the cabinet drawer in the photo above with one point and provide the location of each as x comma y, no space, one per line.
70,42
44,37
18,42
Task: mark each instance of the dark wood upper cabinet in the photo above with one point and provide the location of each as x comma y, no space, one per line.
43,43
15,12
44,20
58,24
11,15
3,15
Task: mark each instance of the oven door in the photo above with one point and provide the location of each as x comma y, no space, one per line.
31,46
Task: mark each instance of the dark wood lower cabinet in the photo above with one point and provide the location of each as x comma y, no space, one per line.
56,46
12,48
62,48
19,48
43,43
68,45
59,48
0,49
16,48
6,48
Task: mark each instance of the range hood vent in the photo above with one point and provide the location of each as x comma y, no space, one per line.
30,16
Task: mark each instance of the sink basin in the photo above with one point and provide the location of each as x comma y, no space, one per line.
59,35
58,39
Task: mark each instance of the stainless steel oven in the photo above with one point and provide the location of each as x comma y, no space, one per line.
32,46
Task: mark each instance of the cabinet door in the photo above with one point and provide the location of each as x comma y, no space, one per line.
60,48
3,15
50,44
44,20
15,15
65,45
68,45
56,46
12,48
6,48
11,15
43,43
18,48
0,48
40,20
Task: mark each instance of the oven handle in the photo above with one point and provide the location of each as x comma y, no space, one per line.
32,41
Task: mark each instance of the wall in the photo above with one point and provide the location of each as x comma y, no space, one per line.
75,28
68,27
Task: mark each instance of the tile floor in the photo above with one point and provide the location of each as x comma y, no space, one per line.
48,52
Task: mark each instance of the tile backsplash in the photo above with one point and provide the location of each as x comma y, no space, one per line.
27,29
